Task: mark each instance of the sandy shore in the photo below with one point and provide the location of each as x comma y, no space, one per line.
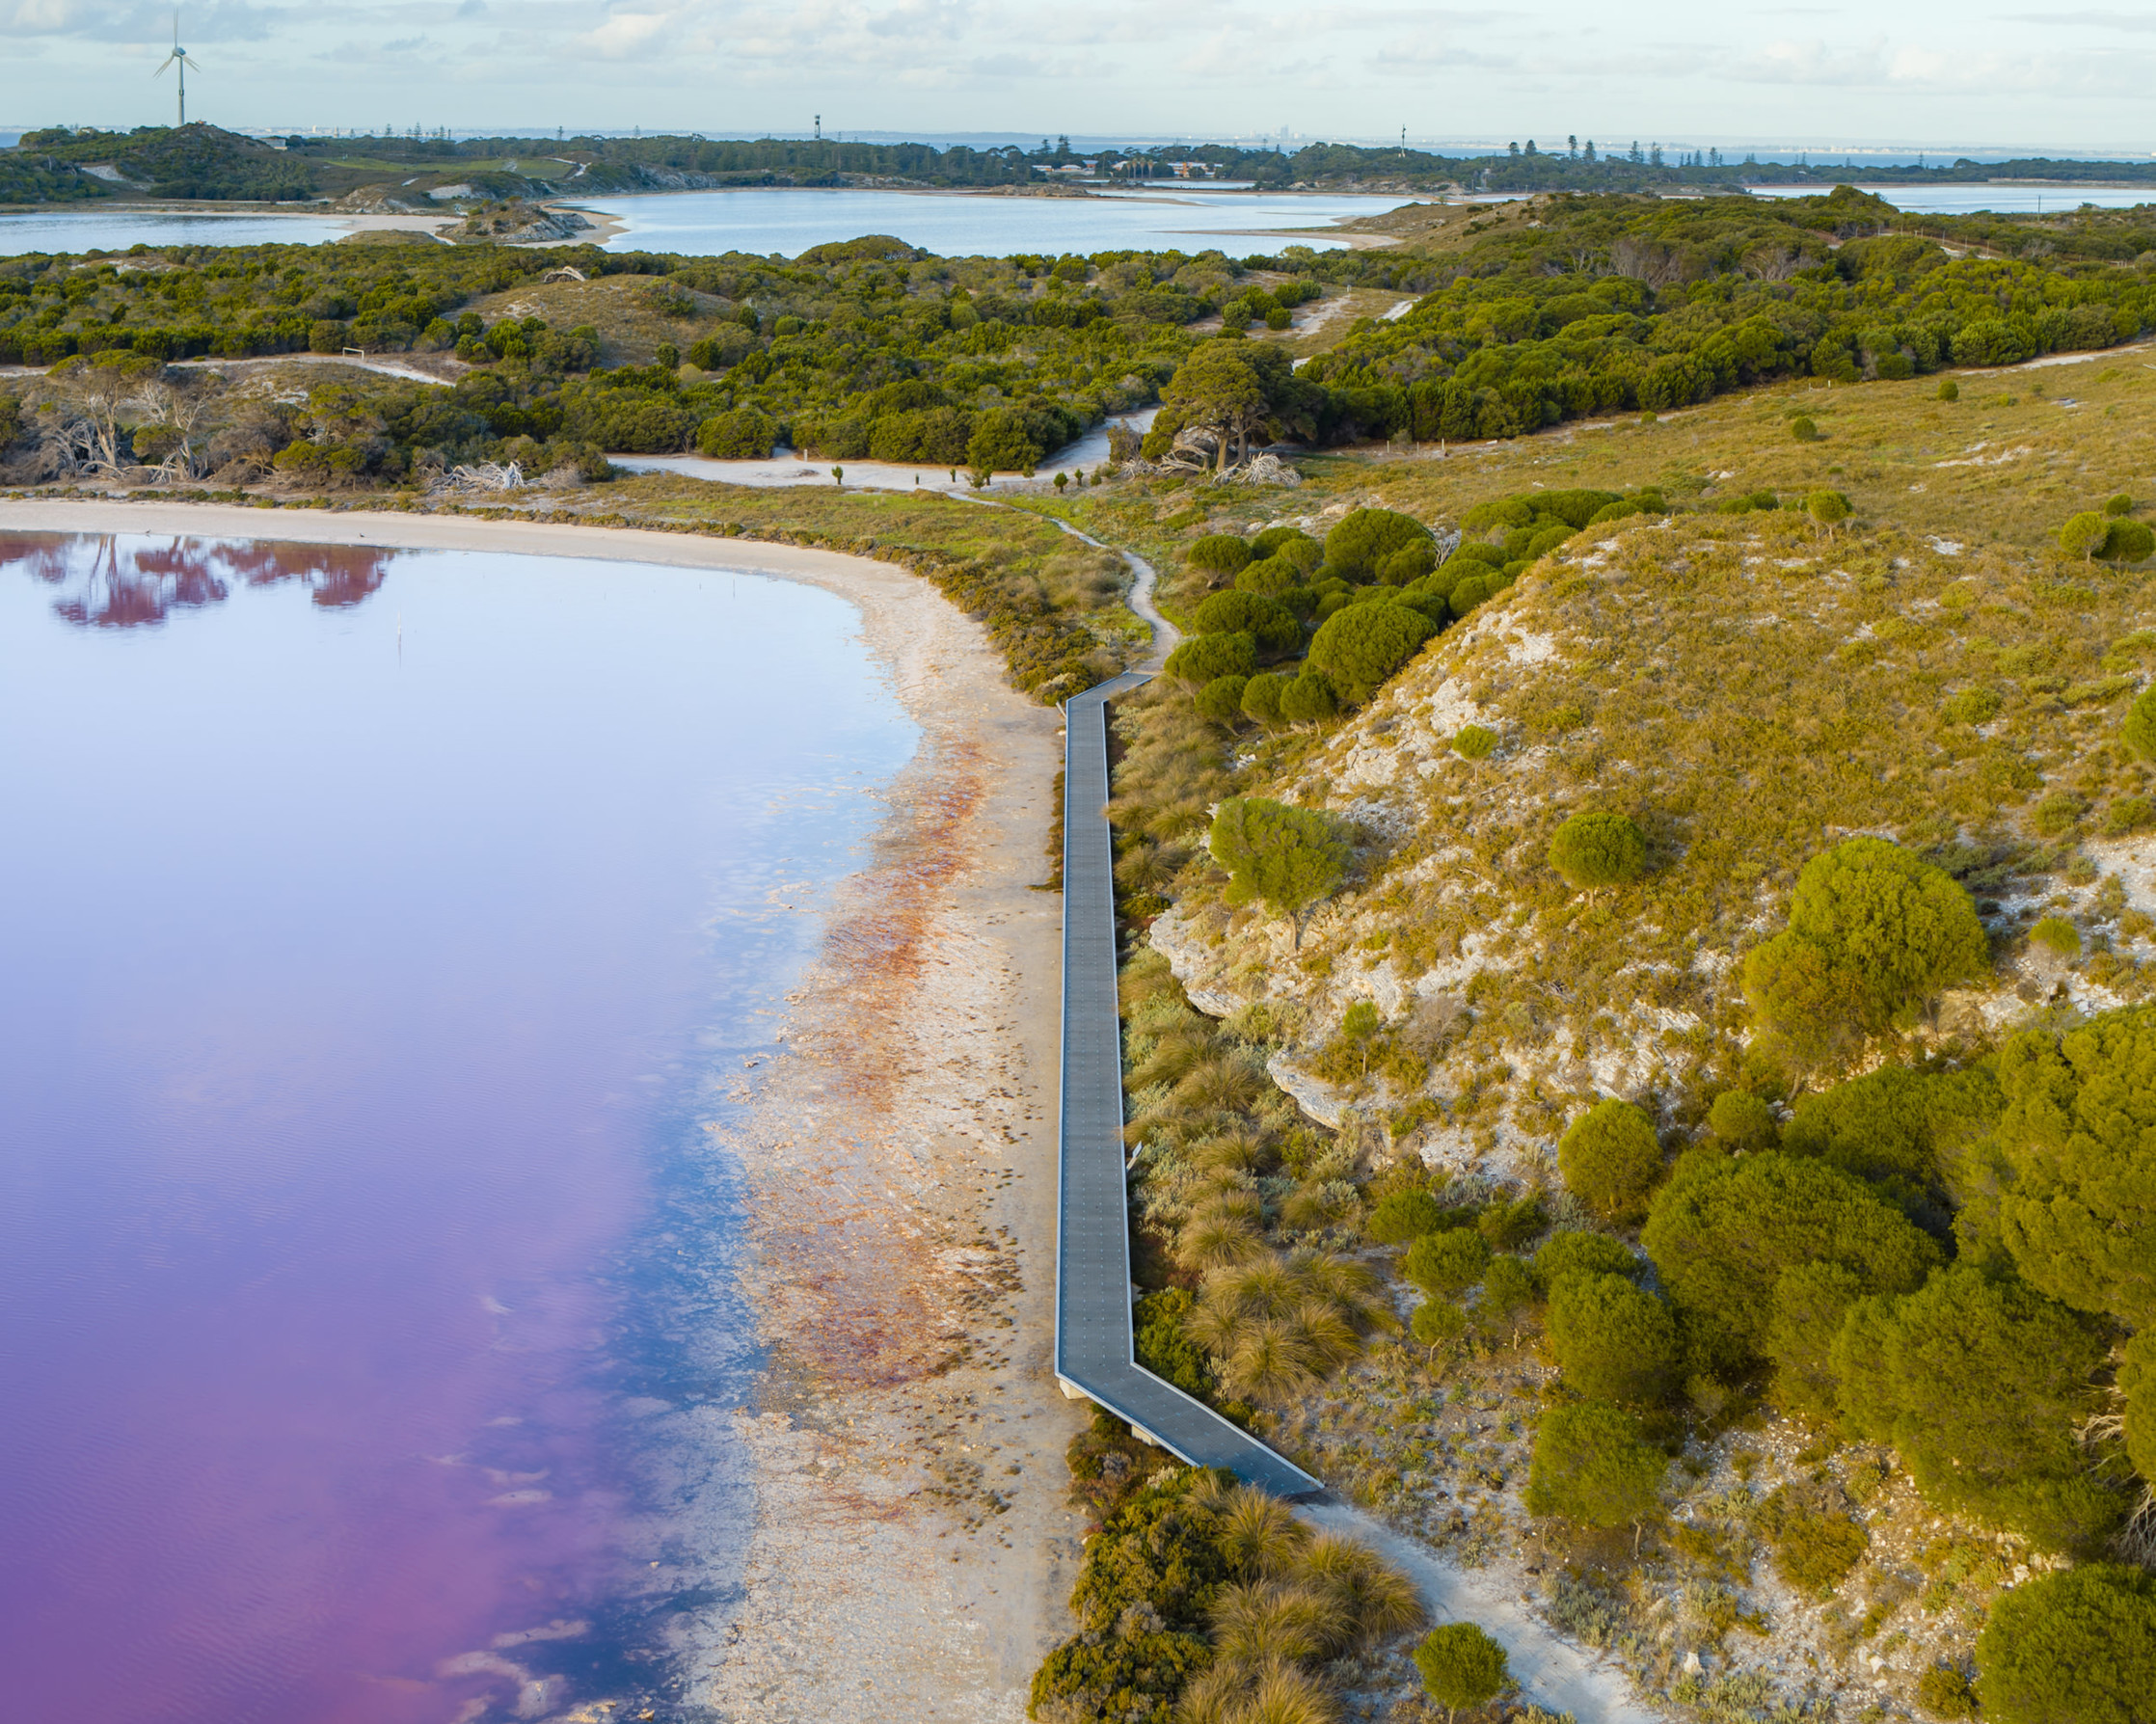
909,1551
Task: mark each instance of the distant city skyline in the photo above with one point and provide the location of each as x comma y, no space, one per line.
1902,76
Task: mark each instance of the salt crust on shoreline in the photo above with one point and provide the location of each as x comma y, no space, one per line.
904,1295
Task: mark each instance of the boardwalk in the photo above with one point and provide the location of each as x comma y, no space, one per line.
1094,1354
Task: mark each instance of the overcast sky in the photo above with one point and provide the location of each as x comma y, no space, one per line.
1913,73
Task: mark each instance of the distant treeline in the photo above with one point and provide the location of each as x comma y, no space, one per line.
205,162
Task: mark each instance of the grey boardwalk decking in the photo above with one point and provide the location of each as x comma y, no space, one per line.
1093,1352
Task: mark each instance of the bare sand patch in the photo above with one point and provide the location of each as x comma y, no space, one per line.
910,1548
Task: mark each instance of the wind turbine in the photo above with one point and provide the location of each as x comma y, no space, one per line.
177,56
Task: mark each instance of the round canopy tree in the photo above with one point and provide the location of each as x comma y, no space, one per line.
1591,851
1590,1465
1360,647
1290,858
2076,1647
1461,1665
1611,1160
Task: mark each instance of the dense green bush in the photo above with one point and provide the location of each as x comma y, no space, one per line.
1590,1465
2080,1214
2073,1648
1461,1665
1261,696
1289,858
1445,1264
1308,699
1207,658
1874,932
1723,1232
1267,621
1814,1549
1222,699
1360,647
741,434
1980,1382
1362,538
1573,1253
1218,554
1741,1121
1614,1341
1400,1217
1610,1159
1593,851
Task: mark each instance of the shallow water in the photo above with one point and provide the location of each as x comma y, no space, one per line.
378,929
789,220
1965,199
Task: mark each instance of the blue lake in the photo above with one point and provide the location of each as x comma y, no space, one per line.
378,929
789,220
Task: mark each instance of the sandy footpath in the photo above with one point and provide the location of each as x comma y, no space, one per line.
909,1551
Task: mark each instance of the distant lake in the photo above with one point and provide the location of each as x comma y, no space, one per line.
2004,198
379,930
790,219
116,230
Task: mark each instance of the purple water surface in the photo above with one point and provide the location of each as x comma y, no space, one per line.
371,925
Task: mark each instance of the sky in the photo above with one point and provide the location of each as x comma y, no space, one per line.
1907,74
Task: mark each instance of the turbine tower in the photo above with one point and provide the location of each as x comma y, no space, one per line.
177,56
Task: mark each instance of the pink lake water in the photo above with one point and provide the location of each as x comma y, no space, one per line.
375,930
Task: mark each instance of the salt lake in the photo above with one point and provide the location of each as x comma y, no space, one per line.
383,932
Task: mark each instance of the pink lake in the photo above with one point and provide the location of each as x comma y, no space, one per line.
373,930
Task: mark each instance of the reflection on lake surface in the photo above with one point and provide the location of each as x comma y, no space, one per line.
377,926
790,219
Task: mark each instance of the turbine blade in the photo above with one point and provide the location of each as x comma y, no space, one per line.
161,65
189,63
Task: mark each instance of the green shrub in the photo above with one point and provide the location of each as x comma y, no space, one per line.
2073,1648
1814,1551
2121,504
1873,933
1943,1692
1438,1322
1611,1160
1592,851
1445,1264
2057,936
2140,730
1267,621
1289,858
2128,813
1363,538
1218,554
1591,1466
1461,1665
1206,658
1576,1253
1411,562
1508,1288
1979,1382
1903,1130
2129,542
1308,699
1614,1341
1971,705
1804,429
1222,699
1268,576
2076,1212
2085,534
1508,1225
1723,1230
1360,647
1401,1216
1261,696
1473,741
1292,544
743,434
1827,509
1949,390
1742,1120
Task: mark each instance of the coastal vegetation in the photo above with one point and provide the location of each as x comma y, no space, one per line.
1794,1039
